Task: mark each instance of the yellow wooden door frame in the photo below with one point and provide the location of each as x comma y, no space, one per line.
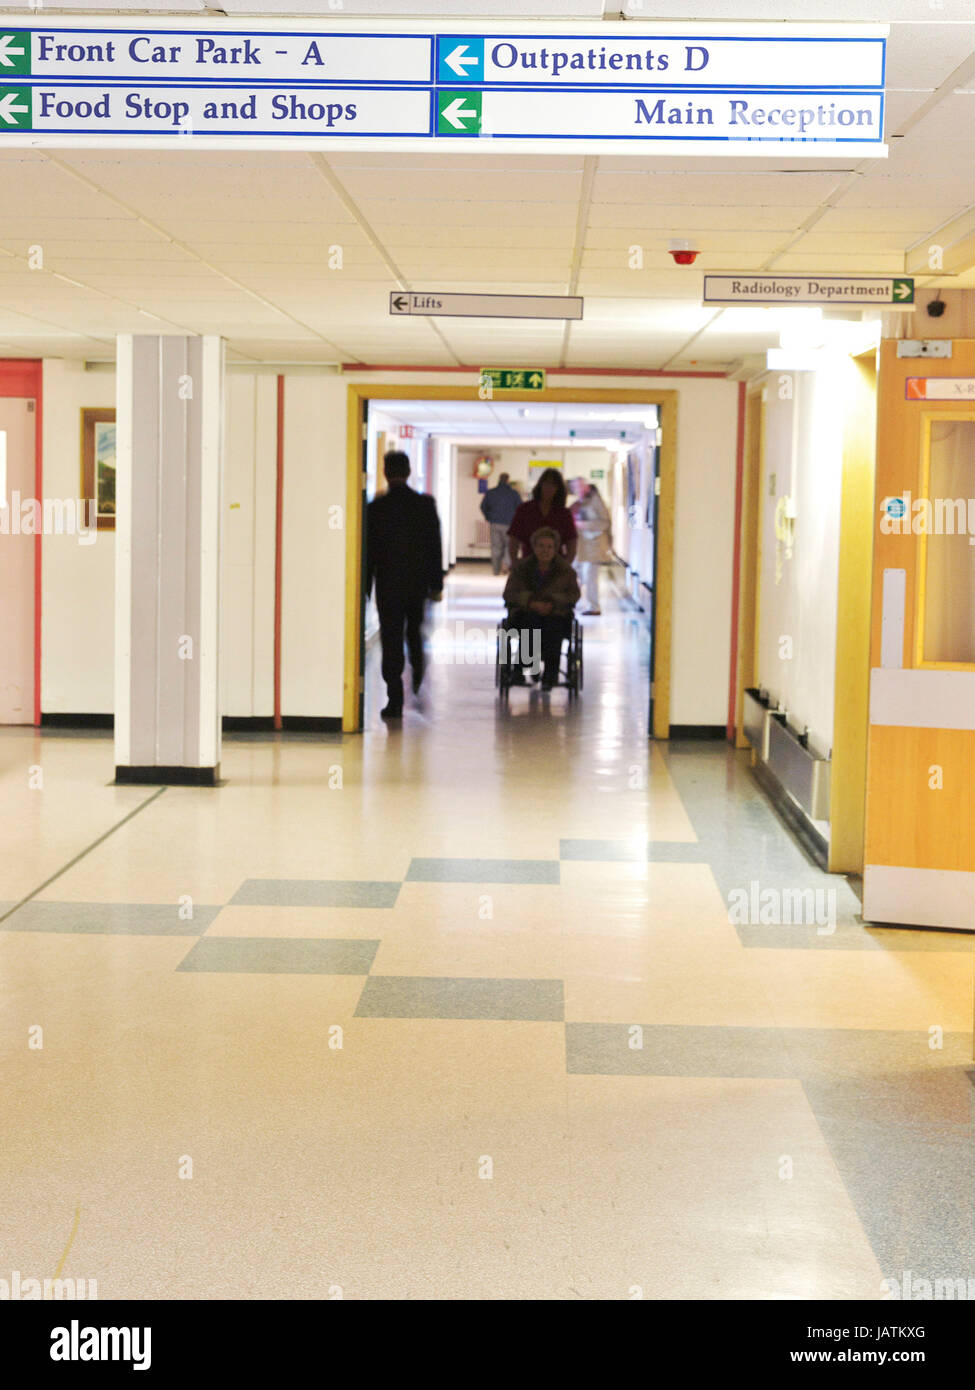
666,401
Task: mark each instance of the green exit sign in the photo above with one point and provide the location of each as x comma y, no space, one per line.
513,378
597,473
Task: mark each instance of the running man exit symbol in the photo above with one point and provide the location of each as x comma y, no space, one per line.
458,113
513,378
14,109
14,53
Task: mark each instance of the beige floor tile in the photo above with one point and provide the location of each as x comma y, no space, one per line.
869,989
640,1144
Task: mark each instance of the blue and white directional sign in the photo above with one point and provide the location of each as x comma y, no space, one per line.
643,59
660,88
224,54
71,108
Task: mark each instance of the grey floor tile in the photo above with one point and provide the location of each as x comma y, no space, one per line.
743,842
280,956
676,852
601,851
483,871
310,892
905,1145
120,919
814,1054
404,996
608,1049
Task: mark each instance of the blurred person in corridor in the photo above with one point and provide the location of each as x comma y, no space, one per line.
498,507
404,556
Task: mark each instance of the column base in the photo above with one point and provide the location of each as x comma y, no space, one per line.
168,776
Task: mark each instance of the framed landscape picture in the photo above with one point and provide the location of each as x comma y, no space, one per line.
98,463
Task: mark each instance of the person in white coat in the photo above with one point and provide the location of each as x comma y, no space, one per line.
593,524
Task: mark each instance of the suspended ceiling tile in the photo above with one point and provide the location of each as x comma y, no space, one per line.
896,189
469,185
383,214
881,243
477,238
912,222
851,263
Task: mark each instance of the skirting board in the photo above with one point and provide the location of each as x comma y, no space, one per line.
167,776
896,896
232,723
708,731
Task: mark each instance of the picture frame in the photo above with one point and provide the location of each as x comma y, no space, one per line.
98,463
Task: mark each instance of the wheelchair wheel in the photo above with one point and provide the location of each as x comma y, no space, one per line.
574,681
502,668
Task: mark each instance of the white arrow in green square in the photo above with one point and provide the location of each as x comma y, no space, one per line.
903,291
458,113
15,109
14,53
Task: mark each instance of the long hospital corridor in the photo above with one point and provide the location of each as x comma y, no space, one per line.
456,1011
637,969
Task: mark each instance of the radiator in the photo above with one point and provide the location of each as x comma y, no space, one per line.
482,534
801,772
755,722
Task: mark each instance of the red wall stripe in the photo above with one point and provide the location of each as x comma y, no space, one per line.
278,538
550,371
25,378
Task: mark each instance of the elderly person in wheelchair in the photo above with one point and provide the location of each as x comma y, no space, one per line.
541,594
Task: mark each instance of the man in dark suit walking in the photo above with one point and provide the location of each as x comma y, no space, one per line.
404,555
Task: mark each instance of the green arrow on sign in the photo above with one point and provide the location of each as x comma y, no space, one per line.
14,53
903,291
458,113
15,108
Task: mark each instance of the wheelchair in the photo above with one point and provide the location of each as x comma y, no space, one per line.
507,660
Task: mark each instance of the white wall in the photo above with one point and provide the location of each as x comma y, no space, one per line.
78,593
518,464
707,422
247,581
78,581
797,606
313,546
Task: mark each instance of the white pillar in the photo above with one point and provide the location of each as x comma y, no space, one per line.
167,563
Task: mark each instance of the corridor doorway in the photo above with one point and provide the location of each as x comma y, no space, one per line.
359,464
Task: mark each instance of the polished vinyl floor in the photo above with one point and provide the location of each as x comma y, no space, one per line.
458,1010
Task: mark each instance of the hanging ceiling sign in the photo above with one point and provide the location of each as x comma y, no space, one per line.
668,88
493,306
768,288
